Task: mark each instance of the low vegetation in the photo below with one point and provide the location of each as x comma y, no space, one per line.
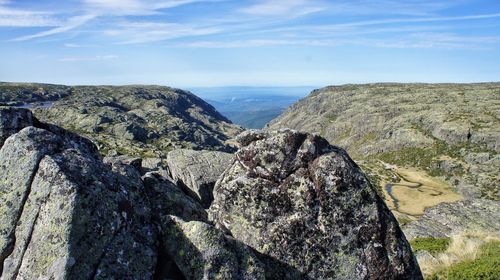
430,244
464,256
485,267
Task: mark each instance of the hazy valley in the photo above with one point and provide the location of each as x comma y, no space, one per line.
251,107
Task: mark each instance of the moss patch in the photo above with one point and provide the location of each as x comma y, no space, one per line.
429,244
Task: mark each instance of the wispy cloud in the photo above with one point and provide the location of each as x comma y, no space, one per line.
263,23
413,40
73,45
390,25
142,32
103,8
417,20
133,7
24,18
89,58
388,7
289,8
70,24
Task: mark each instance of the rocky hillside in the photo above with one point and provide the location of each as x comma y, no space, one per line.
134,120
448,131
288,206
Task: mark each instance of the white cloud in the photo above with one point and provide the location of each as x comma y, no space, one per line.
25,18
142,32
388,7
364,27
133,7
73,45
93,8
252,43
89,58
70,24
407,40
288,8
418,20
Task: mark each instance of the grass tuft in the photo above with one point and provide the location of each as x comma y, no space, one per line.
429,244
468,256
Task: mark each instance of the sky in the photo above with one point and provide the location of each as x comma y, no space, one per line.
209,43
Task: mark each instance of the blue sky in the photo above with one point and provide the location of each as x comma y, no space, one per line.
197,43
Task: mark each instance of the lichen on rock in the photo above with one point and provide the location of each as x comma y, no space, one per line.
296,198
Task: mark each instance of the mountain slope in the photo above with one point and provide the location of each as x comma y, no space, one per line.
68,213
419,142
136,120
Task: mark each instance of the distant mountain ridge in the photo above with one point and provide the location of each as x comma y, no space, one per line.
134,120
252,107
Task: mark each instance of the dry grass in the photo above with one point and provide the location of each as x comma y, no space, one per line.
413,201
463,247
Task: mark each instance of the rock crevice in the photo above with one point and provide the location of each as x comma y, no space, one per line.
287,206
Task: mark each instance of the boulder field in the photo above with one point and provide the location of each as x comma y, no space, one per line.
287,205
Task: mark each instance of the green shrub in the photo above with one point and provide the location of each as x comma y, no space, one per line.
429,244
486,267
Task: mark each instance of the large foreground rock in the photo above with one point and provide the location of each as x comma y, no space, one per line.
198,171
447,219
294,197
67,214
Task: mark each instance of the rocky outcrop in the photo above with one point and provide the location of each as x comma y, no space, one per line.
203,252
447,219
425,126
68,213
305,203
146,121
168,199
198,171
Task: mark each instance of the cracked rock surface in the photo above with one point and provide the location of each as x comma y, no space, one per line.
66,213
290,207
296,198
198,171
443,220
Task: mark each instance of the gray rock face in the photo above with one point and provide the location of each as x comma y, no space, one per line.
195,248
153,164
168,199
13,120
19,160
294,197
198,171
446,219
65,213
203,252
63,229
